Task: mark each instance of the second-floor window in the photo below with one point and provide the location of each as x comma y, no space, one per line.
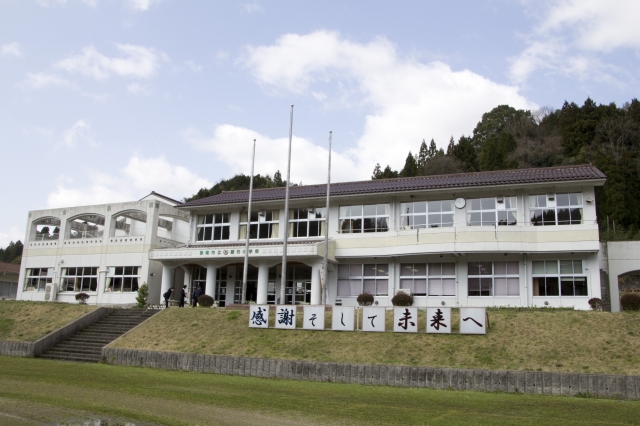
492,211
263,225
212,227
427,214
556,209
364,218
308,222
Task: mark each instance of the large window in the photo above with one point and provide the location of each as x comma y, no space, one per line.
354,280
434,279
122,279
213,227
427,214
559,278
79,279
264,224
38,278
552,209
310,222
8,290
489,211
493,279
367,218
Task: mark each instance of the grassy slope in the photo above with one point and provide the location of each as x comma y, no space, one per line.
29,321
36,390
543,340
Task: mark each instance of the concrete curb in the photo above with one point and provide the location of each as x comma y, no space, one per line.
533,382
12,348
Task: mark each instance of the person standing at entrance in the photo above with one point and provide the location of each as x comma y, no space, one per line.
197,292
167,296
183,295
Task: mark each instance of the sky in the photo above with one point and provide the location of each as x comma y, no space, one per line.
104,101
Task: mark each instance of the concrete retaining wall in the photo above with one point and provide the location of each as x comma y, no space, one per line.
11,348
601,385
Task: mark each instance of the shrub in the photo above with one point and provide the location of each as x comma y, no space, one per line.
630,302
402,299
205,301
82,297
595,303
143,294
365,299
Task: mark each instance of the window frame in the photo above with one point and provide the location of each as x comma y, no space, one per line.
347,218
408,218
91,278
210,223
40,279
357,281
272,226
122,273
497,209
551,206
296,222
493,276
559,276
426,278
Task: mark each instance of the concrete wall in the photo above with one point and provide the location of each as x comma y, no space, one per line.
11,348
621,257
570,384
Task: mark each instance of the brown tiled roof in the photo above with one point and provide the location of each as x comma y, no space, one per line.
171,200
583,172
9,268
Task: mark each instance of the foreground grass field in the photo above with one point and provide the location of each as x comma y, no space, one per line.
29,321
537,340
36,391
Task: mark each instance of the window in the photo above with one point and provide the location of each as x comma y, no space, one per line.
427,214
212,227
493,279
79,279
552,209
8,290
38,278
554,278
307,222
122,279
264,224
354,280
434,279
368,218
489,211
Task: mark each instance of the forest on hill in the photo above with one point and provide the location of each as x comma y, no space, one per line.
12,253
606,136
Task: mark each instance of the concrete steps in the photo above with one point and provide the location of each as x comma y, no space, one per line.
86,345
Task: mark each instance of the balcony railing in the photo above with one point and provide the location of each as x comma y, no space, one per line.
44,237
85,234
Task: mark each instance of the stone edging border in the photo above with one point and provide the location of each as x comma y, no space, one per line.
532,382
13,348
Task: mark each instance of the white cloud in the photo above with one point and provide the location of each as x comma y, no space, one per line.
232,145
136,179
138,89
138,62
41,80
79,132
11,49
572,37
194,67
250,8
139,5
410,100
13,234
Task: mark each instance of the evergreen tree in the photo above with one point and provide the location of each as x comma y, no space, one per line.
377,172
277,179
451,146
433,149
423,154
389,173
410,167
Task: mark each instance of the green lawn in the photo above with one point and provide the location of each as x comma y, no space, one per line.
28,321
35,391
519,339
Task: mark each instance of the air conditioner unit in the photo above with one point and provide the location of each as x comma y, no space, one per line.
48,290
406,291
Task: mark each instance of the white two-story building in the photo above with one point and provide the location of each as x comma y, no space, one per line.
505,238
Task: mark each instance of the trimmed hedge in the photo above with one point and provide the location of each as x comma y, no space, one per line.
365,299
402,299
630,302
205,301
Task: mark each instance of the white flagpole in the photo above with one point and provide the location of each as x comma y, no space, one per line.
283,272
326,230
246,246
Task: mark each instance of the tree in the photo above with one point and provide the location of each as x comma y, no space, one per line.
12,252
410,166
389,173
451,146
143,294
44,230
277,179
465,151
423,154
377,172
433,149
494,122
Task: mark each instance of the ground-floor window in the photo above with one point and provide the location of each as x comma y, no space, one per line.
433,279
122,279
559,278
354,280
38,278
79,279
8,290
493,279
